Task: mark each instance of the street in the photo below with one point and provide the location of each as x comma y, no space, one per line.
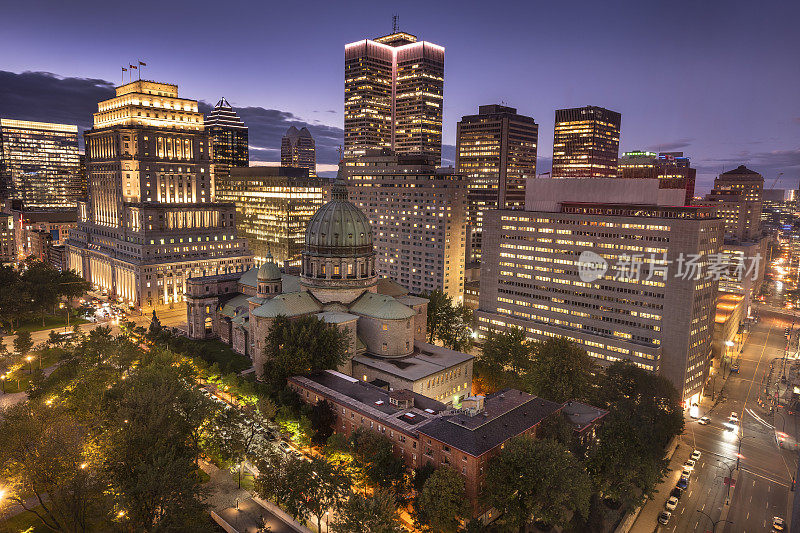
762,488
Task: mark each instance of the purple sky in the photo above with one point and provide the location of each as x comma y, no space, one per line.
719,80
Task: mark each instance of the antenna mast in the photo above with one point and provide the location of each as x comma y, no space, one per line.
395,27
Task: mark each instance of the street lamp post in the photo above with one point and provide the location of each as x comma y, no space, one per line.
730,477
30,363
739,451
714,523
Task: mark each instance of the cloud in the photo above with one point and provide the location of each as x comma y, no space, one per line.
767,163
47,97
671,146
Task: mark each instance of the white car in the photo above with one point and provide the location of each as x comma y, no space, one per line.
696,455
686,473
734,416
704,421
689,465
664,517
672,503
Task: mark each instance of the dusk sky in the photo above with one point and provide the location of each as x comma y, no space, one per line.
719,80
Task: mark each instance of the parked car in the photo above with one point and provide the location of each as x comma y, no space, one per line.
285,447
686,473
696,455
672,503
664,517
689,465
683,483
676,493
778,524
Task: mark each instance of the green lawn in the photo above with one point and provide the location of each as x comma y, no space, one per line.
50,321
48,359
211,351
23,522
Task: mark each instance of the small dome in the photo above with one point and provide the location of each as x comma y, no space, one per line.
338,228
269,271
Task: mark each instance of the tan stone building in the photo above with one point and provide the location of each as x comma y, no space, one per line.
150,222
418,214
338,284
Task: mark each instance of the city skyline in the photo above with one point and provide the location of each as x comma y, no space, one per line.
718,121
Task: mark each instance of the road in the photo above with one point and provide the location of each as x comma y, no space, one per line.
762,489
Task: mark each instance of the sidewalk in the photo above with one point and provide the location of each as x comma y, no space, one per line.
647,521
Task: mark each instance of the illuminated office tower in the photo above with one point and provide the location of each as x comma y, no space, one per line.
672,169
418,218
273,207
229,137
150,221
299,150
645,307
39,164
496,153
393,90
586,143
737,196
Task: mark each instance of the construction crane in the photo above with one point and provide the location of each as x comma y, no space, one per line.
776,180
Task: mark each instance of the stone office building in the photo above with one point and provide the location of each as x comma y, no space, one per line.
150,222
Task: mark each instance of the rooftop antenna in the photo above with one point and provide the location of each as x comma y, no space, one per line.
341,152
395,27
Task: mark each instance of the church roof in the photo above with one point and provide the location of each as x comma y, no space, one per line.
291,304
338,228
742,170
231,306
269,271
380,306
390,288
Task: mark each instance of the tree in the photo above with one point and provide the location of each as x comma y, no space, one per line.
536,479
23,343
304,488
148,451
561,370
71,286
236,434
447,322
45,468
13,300
323,420
421,475
442,505
156,329
557,427
438,307
40,282
301,346
373,456
376,513
508,350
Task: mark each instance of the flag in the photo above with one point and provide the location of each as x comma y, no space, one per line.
133,66
142,63
124,69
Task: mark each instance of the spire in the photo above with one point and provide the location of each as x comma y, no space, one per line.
339,188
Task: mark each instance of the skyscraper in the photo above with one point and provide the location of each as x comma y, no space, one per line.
299,150
393,91
418,217
672,169
639,306
229,137
496,152
586,143
150,221
273,207
737,196
39,164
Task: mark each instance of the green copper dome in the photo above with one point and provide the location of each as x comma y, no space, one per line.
339,228
269,271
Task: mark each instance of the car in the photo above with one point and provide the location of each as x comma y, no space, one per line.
695,455
735,369
778,524
704,421
734,416
664,517
297,455
285,447
672,503
683,483
676,493
686,473
689,465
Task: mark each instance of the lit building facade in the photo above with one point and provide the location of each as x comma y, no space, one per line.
393,94
418,215
496,152
39,163
673,170
657,319
586,143
298,149
273,206
229,138
151,221
8,247
737,196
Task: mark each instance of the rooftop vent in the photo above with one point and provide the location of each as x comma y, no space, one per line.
379,402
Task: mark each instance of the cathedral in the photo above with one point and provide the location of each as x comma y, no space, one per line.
385,325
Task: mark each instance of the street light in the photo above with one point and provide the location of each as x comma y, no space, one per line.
713,522
30,365
730,477
739,452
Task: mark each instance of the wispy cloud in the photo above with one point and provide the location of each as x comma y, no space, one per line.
671,146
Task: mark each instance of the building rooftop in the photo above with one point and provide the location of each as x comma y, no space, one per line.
581,415
742,170
380,306
506,414
426,360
